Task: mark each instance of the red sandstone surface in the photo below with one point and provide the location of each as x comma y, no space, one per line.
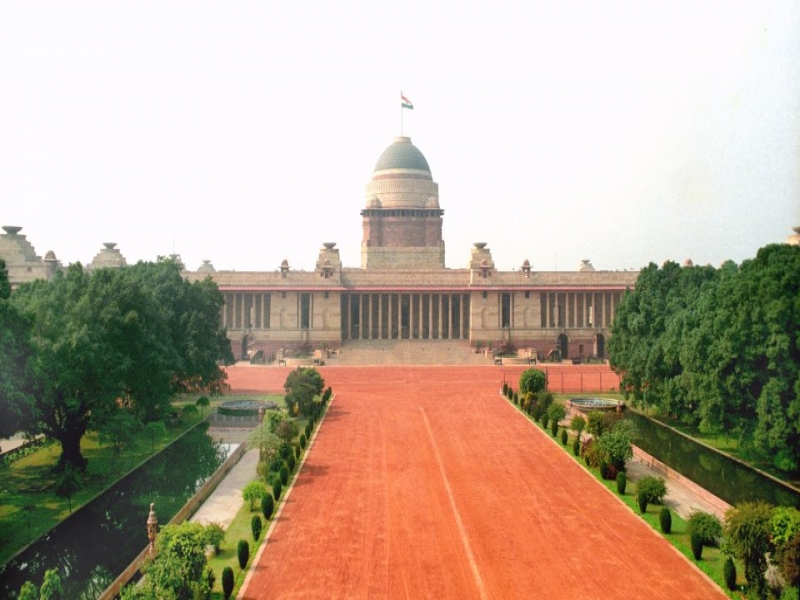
424,483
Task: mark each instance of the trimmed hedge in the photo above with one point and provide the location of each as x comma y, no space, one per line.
665,520
243,553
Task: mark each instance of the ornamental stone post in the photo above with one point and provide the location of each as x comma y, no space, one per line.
152,528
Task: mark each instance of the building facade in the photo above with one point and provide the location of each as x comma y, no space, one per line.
402,290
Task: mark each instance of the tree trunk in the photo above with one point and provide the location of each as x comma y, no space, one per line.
71,451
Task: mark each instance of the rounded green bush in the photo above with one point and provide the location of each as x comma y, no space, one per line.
227,582
545,420
284,472
302,441
255,527
297,452
516,398
665,520
243,553
554,428
277,488
576,447
291,462
706,526
564,437
697,546
267,506
729,574
622,483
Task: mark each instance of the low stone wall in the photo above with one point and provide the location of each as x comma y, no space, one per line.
184,513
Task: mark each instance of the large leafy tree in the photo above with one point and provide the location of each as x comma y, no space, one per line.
14,361
116,340
302,386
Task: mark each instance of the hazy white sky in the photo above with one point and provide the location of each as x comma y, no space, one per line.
246,132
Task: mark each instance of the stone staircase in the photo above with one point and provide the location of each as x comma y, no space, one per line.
408,352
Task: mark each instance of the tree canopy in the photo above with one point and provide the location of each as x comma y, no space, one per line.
302,386
98,343
718,348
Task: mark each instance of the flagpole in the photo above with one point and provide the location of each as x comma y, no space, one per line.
401,113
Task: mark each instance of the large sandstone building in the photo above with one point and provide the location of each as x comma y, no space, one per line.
402,290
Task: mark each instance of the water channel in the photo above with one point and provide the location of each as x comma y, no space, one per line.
724,477
97,542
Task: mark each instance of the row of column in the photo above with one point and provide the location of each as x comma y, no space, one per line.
405,316
578,309
246,310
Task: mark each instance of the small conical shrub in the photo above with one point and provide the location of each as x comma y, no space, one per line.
505,389
516,398
227,582
277,488
291,462
302,441
641,500
255,527
554,428
564,437
622,483
297,452
576,447
267,506
697,546
243,553
284,473
665,520
545,421
729,574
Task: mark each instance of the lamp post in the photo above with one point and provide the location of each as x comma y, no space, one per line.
152,528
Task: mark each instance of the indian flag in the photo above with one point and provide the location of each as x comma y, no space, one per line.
405,102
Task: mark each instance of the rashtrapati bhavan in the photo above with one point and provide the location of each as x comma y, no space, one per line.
401,291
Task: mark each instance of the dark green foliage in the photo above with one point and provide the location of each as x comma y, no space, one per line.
554,428
505,389
653,488
302,441
622,483
214,536
641,500
255,527
243,553
297,452
532,380
302,386
267,506
564,437
718,349
291,462
590,453
665,520
227,582
729,574
747,532
545,420
277,488
308,430
697,546
284,473
576,447
705,526
516,398
578,424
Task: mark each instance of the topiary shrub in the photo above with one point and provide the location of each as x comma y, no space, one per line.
214,535
243,553
564,437
284,472
267,506
622,483
297,452
545,420
554,428
705,526
665,520
654,489
729,574
227,582
255,527
516,398
302,441
291,462
697,546
576,447
641,500
277,488
505,389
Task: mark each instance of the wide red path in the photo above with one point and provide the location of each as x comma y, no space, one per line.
424,483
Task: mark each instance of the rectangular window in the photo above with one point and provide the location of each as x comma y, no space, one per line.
543,309
505,310
305,311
